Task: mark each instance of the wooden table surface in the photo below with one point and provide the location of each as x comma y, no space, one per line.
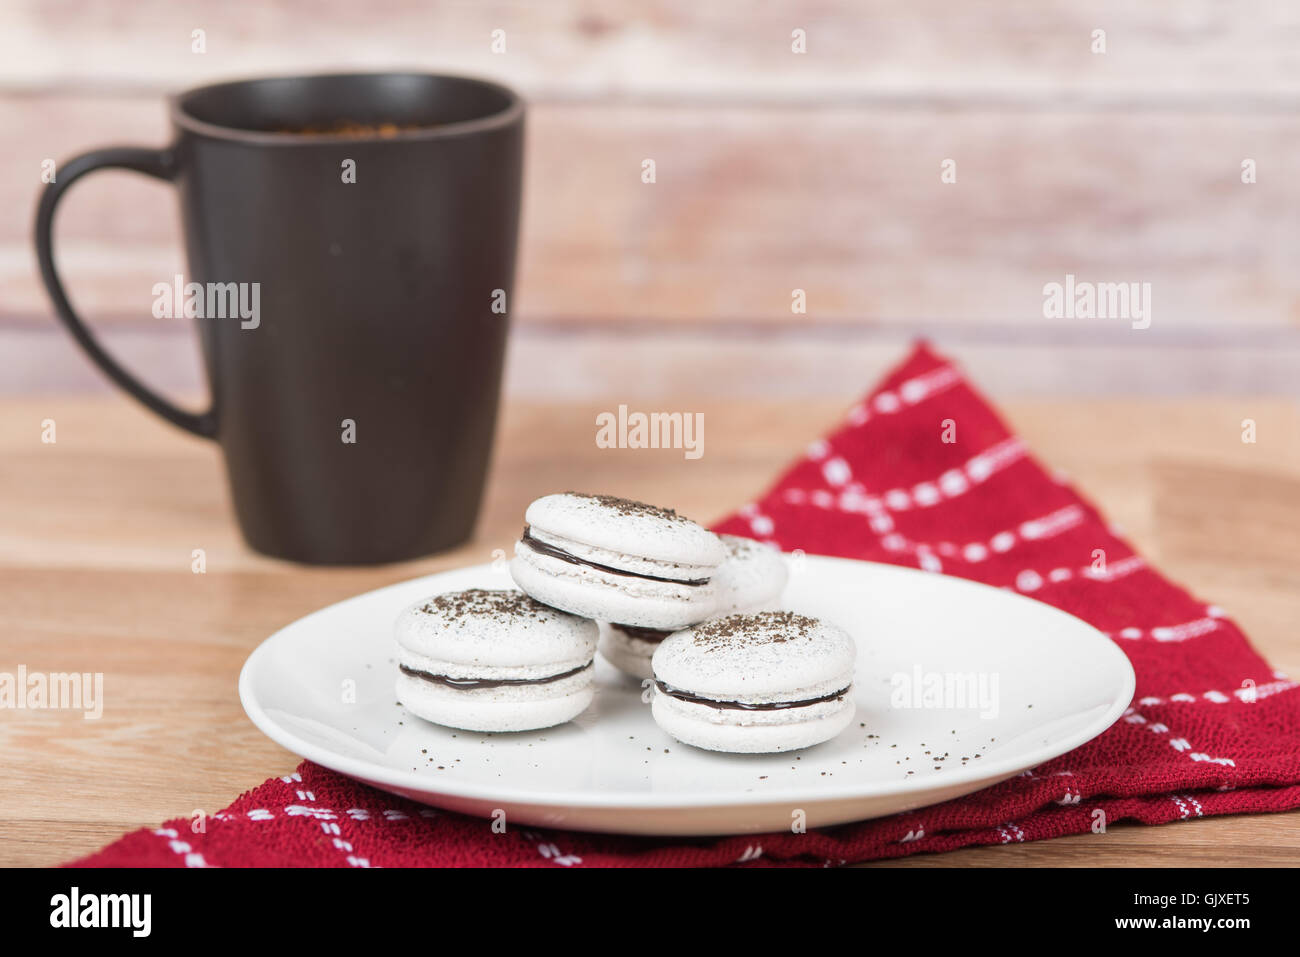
97,532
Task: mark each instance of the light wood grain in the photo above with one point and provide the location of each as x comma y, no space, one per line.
639,363
776,171
844,203
1019,50
96,533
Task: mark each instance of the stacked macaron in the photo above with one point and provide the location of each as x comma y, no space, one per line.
666,592
616,560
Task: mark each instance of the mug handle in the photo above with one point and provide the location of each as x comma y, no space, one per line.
160,164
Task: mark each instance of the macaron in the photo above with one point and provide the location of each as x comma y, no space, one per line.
767,682
617,560
487,660
629,648
753,574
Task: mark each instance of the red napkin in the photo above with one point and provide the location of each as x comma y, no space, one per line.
1212,729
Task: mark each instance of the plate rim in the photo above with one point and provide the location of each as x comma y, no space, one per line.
395,779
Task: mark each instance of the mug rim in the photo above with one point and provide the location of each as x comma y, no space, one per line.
186,120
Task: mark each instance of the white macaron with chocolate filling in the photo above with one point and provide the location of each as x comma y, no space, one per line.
485,660
752,684
617,560
752,576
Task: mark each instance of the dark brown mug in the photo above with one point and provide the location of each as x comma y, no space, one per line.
351,246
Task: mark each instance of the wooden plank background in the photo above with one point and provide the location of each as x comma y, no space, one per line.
775,170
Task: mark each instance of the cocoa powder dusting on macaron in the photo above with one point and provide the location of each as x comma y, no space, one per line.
630,508
738,547
763,628
504,606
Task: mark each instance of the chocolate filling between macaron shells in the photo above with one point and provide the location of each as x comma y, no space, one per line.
681,695
473,684
651,636
545,548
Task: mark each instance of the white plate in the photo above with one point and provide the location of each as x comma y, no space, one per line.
1059,683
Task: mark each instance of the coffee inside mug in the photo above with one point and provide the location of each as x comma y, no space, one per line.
379,106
